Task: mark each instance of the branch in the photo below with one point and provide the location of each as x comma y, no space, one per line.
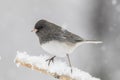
58,69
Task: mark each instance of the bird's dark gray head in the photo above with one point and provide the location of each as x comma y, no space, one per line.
44,26
40,25
46,30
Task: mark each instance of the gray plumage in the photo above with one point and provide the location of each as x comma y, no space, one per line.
48,31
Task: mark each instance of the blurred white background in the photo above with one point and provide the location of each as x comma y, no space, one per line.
91,19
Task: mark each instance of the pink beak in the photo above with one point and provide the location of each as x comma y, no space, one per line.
34,30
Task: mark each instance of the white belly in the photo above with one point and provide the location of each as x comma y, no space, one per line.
58,48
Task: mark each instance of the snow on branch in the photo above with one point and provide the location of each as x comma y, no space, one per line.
58,69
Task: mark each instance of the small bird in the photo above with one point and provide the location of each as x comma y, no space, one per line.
58,41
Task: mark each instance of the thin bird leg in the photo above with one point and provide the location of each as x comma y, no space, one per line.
69,61
50,59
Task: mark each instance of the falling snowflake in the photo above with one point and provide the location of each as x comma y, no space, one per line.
111,28
118,8
0,57
114,2
103,48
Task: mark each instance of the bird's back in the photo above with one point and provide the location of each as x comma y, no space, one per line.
55,32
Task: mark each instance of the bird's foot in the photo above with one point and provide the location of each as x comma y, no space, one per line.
50,60
71,70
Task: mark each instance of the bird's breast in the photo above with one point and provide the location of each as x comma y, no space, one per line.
57,48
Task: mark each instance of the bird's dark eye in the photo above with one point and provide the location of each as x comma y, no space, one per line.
40,27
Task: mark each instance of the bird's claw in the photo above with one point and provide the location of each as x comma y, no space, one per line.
50,59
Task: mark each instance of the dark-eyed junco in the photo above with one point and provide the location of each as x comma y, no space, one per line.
58,41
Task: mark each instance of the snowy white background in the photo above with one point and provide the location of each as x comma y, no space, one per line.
91,19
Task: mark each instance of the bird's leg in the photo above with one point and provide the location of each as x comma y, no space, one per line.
50,59
69,62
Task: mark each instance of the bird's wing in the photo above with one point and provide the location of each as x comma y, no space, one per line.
68,36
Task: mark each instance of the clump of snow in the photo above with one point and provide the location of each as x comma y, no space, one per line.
58,66
114,2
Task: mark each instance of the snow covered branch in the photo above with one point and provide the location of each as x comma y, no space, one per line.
58,69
